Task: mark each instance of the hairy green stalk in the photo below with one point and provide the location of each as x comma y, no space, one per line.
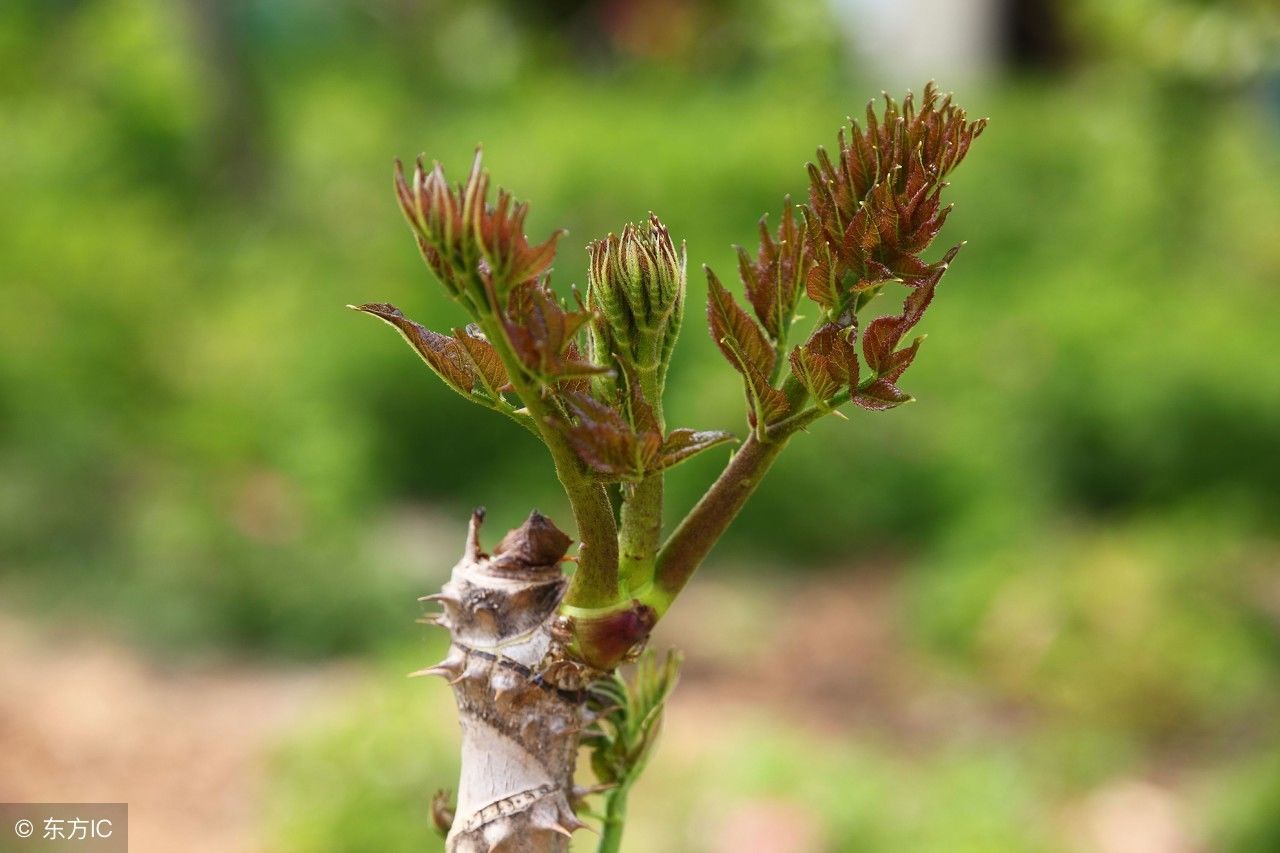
694,537
614,821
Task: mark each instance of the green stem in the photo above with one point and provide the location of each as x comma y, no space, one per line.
640,527
787,427
595,583
640,530
615,818
693,539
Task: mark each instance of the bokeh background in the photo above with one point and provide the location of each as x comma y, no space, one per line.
1038,610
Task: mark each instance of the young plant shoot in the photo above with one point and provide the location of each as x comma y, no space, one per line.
534,649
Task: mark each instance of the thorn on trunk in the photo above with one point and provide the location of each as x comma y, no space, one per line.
473,534
448,668
581,792
555,827
569,819
509,687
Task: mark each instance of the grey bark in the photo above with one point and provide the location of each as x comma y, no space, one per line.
520,702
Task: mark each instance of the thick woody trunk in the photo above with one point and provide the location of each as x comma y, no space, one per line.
520,703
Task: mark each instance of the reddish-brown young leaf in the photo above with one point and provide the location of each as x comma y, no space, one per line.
500,232
876,206
484,359
814,373
879,340
767,404
461,234
574,381
835,343
640,412
735,333
759,292
473,193
883,335
744,345
775,278
443,354
880,395
904,266
901,359
641,417
828,199
602,438
433,215
822,284
828,361
542,333
684,443
859,250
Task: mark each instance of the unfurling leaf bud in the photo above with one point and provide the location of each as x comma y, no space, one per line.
467,241
636,283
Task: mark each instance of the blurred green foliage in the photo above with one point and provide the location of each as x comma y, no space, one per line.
199,444
854,797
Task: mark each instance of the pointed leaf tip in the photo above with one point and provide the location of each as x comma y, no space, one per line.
443,354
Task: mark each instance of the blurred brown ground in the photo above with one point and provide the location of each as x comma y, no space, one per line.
85,718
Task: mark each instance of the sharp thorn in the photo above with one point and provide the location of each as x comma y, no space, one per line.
473,533
575,824
581,792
